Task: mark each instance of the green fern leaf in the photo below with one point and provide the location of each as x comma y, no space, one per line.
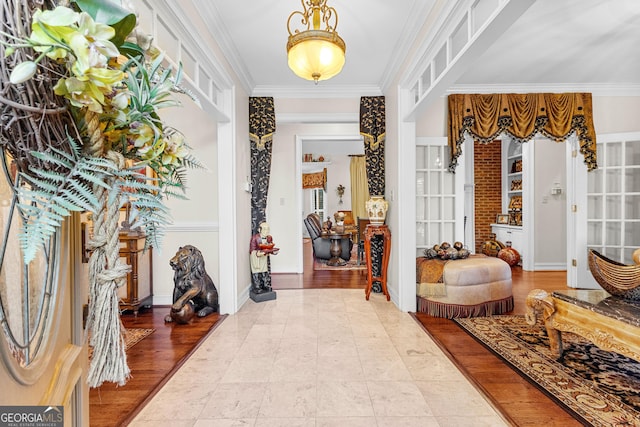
46,197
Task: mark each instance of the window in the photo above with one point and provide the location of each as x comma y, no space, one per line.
317,202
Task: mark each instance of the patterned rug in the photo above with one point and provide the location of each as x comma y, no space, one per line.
600,388
132,336
352,264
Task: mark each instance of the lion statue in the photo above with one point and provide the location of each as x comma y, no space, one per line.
194,292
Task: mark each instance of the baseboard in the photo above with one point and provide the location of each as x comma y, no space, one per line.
244,296
162,300
550,266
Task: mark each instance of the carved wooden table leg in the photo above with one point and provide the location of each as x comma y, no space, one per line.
540,303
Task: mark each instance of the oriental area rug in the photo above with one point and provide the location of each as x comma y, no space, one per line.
600,388
352,264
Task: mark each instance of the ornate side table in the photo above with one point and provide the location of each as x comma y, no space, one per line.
336,249
139,289
369,232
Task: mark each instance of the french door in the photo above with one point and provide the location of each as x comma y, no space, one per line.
439,195
606,206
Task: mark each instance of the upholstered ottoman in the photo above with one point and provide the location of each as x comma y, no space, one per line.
476,286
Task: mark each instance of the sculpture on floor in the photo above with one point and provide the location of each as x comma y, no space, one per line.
194,292
260,248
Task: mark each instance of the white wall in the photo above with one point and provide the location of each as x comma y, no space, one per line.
550,222
195,219
338,173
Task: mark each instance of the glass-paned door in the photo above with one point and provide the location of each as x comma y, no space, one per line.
613,195
439,195
613,203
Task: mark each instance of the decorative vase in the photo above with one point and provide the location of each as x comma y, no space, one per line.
492,246
509,255
377,208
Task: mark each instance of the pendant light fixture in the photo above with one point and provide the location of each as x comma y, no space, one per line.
315,53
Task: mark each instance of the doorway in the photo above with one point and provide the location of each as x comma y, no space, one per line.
544,199
332,153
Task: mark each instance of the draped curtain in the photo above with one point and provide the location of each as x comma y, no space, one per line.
522,116
359,186
373,129
262,126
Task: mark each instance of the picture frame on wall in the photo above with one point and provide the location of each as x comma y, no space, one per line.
502,219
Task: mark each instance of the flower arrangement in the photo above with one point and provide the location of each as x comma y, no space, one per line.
82,129
340,191
114,89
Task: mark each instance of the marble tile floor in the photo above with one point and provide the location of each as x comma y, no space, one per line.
318,357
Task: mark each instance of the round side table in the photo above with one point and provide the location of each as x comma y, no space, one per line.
336,249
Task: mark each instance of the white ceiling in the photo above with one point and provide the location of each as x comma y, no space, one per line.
565,42
555,44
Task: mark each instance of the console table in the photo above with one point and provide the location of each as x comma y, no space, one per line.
139,288
611,323
369,232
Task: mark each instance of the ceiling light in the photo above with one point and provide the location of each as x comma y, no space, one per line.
313,53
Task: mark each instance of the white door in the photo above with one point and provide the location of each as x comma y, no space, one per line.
439,195
605,206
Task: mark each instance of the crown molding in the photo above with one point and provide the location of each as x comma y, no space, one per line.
446,13
219,33
317,91
419,10
282,118
175,15
596,89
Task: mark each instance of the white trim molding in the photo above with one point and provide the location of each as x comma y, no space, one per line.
193,227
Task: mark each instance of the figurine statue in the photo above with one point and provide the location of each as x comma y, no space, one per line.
260,248
194,292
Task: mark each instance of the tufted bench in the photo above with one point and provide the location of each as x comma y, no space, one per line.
476,286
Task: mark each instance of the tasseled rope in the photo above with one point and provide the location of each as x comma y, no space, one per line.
106,275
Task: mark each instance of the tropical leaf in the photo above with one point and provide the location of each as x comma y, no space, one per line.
47,197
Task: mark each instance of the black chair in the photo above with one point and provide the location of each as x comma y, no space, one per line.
322,245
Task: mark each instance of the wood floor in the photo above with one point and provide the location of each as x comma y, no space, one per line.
152,362
154,359
522,403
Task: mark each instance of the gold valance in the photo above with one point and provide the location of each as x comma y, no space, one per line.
522,116
315,180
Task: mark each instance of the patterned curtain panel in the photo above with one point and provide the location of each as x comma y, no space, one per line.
315,180
522,116
373,129
262,126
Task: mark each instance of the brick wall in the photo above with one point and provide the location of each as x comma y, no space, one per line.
488,188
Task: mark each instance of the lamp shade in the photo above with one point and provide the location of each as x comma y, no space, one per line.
316,54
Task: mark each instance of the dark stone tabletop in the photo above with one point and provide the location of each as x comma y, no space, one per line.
601,302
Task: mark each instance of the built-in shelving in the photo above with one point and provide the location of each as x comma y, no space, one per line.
310,167
514,182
